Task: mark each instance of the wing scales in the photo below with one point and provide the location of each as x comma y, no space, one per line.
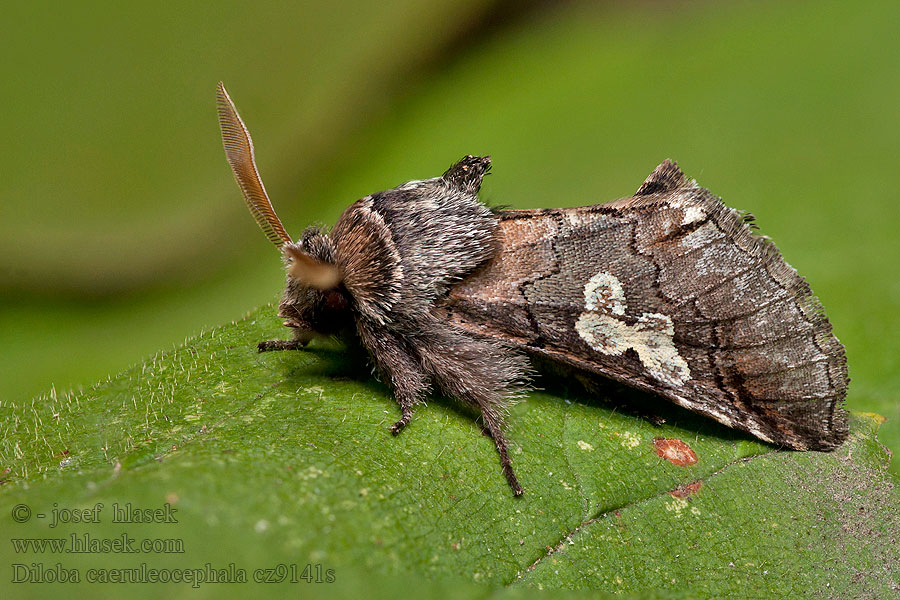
759,348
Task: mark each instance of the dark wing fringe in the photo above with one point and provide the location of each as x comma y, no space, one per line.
664,178
809,304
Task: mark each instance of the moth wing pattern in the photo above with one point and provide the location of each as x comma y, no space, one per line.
668,291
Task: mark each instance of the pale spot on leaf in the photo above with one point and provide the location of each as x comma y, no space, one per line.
629,440
677,505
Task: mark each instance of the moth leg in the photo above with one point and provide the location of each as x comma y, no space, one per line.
270,345
481,374
406,412
406,379
397,366
301,339
494,426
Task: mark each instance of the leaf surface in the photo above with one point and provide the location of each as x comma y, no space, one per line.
285,459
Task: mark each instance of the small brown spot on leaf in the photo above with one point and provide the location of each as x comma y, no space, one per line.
675,451
683,491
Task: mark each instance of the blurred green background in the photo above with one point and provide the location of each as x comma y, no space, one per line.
122,231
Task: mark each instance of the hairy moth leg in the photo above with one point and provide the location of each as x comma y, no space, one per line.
493,425
302,337
405,418
270,345
398,367
479,373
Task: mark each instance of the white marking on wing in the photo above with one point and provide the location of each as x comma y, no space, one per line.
651,336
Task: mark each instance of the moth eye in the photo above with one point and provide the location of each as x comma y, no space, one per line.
335,300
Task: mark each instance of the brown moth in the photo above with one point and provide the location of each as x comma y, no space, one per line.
668,291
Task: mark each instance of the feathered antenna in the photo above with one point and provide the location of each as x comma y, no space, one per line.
239,152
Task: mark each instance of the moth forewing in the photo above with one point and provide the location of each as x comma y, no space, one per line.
668,291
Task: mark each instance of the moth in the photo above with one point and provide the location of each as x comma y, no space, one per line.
668,291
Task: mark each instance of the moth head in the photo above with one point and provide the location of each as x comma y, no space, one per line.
314,300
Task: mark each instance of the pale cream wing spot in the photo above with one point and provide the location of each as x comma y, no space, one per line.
603,333
604,293
651,337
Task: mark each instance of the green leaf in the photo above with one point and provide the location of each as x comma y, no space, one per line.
285,459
